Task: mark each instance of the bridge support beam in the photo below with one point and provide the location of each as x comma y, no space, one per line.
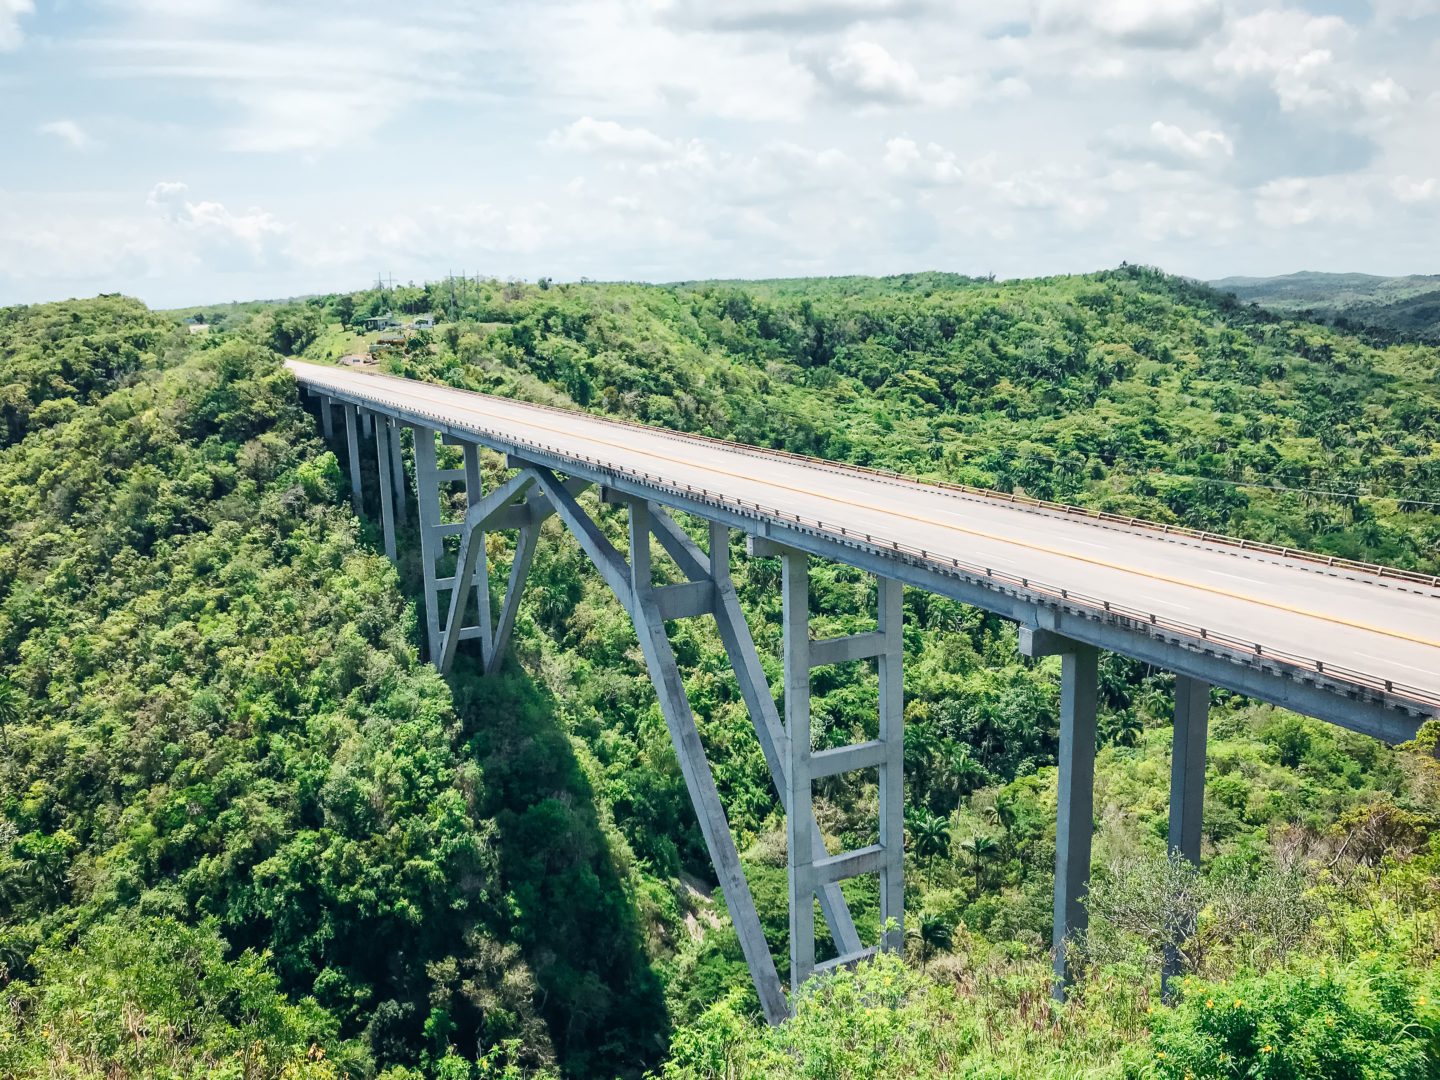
1187,796
352,442
1079,694
754,691
432,544
397,467
812,868
514,505
365,423
446,630
633,585
327,421
387,495
519,569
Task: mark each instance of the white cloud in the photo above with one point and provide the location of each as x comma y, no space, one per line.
777,173
866,73
10,11
1195,146
1389,12
932,165
801,15
1292,49
1300,57
1384,92
68,131
255,232
626,58
1294,201
1171,146
292,80
1412,190
1069,194
167,198
590,136
1163,24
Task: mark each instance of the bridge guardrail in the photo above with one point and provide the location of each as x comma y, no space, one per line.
1424,698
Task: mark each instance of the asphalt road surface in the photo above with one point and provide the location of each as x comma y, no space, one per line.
1358,621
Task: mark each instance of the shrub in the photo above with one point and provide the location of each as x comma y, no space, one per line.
1370,1020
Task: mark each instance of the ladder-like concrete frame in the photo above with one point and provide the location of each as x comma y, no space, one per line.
813,870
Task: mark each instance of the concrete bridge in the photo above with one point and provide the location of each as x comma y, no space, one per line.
1353,644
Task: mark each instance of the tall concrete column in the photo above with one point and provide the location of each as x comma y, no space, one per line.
1187,792
387,498
1187,766
474,493
1075,822
365,423
892,772
352,441
427,496
327,422
1079,684
814,872
800,809
397,469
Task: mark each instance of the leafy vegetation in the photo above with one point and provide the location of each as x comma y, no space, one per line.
220,715
217,736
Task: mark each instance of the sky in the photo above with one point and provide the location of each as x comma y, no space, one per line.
199,151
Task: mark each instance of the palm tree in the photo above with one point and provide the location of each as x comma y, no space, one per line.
934,934
1122,728
930,836
966,774
1004,812
980,849
9,709
922,745
1158,702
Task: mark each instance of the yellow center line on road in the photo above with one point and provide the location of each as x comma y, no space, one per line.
1092,560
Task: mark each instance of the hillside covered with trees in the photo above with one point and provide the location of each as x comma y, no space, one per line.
245,831
1390,308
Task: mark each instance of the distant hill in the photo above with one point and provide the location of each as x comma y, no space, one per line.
1392,307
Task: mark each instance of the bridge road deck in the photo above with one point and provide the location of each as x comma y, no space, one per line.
1352,622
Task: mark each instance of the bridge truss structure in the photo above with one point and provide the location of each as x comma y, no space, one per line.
553,459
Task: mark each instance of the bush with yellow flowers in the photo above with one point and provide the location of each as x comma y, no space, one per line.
1371,1019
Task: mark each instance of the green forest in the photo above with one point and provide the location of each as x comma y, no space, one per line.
247,831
